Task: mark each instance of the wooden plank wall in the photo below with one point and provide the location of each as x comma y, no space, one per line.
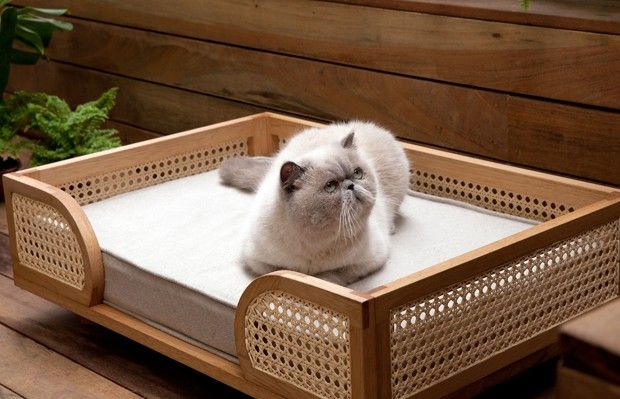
539,88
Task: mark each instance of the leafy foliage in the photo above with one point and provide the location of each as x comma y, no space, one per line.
32,33
13,118
525,4
55,132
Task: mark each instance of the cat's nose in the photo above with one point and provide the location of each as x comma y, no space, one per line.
350,186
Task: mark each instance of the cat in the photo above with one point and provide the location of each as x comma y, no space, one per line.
325,204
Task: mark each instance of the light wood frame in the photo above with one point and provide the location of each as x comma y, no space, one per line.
376,330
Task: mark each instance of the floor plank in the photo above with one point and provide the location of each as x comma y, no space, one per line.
6,393
3,227
111,355
33,371
5,257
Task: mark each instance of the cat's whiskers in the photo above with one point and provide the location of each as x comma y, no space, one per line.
354,223
346,221
349,223
339,223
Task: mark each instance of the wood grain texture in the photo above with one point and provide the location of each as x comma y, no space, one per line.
131,134
152,107
573,384
4,228
507,57
108,354
578,140
532,377
5,256
591,343
6,393
592,16
518,130
33,371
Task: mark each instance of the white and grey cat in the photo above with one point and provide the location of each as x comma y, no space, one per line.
325,204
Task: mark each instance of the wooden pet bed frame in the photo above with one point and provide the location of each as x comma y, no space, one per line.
424,335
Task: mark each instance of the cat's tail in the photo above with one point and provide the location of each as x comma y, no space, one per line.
245,173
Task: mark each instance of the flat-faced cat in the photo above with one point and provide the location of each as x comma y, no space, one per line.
325,204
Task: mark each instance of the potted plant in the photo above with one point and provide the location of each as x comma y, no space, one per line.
24,35
41,124
45,126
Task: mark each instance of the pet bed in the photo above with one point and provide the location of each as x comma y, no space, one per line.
193,288
142,240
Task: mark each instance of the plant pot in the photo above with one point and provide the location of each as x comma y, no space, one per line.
7,166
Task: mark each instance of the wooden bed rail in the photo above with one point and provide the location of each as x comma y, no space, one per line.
94,177
52,242
458,321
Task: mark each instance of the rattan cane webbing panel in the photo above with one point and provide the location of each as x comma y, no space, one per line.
486,196
98,187
445,332
46,243
300,342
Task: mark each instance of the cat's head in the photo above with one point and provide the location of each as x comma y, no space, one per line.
331,191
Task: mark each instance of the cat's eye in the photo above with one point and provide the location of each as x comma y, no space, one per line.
331,185
358,173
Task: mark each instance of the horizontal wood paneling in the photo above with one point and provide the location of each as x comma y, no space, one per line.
131,134
157,108
495,125
568,65
591,16
579,142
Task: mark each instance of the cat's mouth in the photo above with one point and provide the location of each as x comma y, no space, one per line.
354,196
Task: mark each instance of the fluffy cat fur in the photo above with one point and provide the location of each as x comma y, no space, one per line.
325,204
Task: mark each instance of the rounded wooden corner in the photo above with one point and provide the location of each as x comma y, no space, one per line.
92,291
340,299
310,291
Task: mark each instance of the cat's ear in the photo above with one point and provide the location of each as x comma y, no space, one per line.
347,142
289,172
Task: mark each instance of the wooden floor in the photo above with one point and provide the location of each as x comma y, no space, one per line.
48,352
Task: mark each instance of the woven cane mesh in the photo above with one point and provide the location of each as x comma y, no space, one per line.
300,342
486,196
98,187
45,242
445,332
